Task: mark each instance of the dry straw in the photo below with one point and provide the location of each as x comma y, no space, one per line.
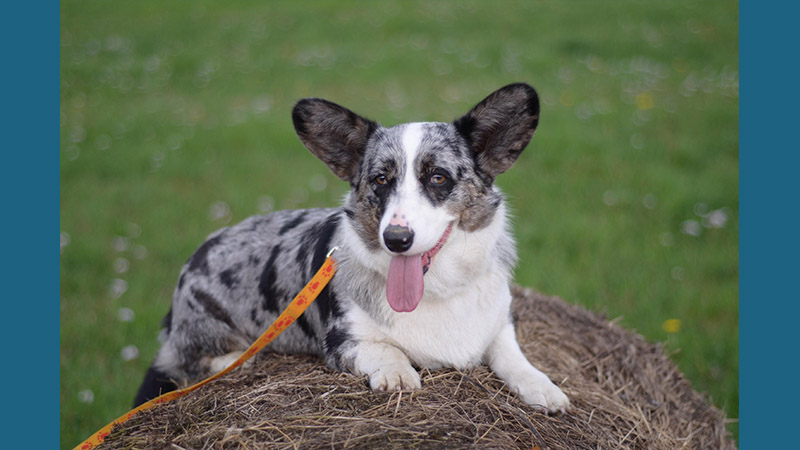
625,394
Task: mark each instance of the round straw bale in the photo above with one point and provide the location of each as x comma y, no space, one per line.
625,394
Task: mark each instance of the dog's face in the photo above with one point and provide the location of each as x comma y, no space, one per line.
412,183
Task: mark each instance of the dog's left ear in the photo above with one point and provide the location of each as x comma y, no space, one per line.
500,127
333,134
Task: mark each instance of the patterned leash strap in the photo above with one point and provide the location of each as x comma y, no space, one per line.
287,317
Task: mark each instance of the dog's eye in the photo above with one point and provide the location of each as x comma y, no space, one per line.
381,179
438,179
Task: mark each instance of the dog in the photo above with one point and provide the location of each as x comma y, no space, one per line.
425,258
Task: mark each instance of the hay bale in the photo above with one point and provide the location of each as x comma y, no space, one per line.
625,394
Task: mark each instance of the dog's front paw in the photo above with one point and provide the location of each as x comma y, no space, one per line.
541,393
394,378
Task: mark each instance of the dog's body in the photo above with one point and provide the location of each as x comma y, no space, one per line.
424,257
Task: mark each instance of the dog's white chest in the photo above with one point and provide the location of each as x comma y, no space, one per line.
453,331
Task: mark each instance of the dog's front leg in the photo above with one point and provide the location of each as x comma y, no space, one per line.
388,368
506,359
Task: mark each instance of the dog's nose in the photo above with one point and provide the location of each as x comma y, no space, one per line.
398,239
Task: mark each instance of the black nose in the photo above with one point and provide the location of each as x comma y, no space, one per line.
398,239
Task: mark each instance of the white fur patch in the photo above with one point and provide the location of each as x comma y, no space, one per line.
412,138
221,363
506,359
464,305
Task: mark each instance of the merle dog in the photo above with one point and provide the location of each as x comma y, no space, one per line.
424,262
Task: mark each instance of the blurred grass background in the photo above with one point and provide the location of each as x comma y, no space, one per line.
175,121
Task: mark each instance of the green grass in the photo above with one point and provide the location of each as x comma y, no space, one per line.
169,108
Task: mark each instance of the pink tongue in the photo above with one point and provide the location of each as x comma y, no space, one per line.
404,285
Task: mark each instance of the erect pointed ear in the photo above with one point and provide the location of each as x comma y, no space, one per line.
333,134
498,128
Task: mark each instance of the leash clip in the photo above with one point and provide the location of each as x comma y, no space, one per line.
331,251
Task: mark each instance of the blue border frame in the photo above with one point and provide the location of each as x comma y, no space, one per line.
768,243
30,185
769,247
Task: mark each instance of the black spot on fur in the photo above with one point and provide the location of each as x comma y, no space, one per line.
228,278
328,305
437,193
212,307
289,225
199,260
321,237
334,340
389,171
349,213
465,125
254,260
270,293
318,238
382,192
335,337
305,326
301,257
255,317
181,280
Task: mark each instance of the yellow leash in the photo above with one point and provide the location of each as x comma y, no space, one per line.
287,317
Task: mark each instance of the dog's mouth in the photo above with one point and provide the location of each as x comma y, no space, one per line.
404,284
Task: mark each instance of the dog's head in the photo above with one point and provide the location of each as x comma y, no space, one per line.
412,183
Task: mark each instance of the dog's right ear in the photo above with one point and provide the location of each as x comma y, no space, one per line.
333,134
500,127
